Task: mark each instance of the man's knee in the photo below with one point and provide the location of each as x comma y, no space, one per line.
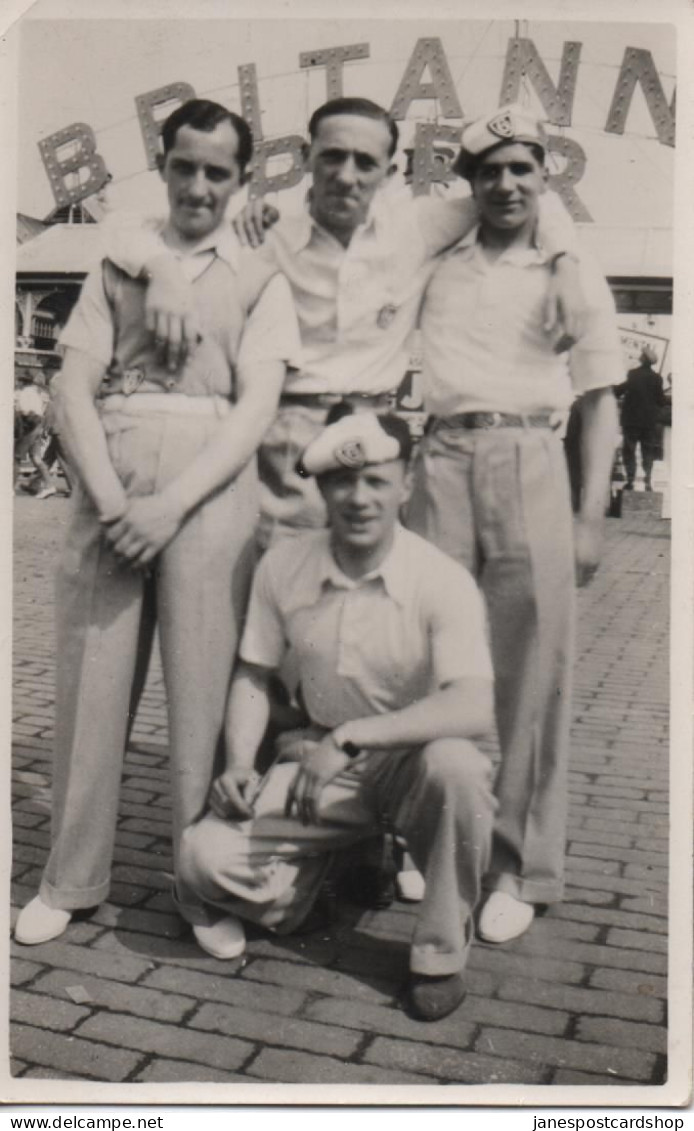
203,848
457,763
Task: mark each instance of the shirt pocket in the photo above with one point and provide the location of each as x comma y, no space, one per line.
369,298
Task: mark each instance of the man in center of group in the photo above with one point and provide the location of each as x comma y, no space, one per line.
357,262
390,644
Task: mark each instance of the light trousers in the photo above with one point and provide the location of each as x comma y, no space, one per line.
269,869
106,613
498,502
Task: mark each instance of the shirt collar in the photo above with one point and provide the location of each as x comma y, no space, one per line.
470,246
392,571
222,242
302,226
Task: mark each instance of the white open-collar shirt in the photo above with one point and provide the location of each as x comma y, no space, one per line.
485,346
369,646
357,306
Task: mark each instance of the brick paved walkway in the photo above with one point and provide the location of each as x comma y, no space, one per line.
125,995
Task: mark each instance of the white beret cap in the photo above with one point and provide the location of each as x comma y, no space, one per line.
509,124
353,441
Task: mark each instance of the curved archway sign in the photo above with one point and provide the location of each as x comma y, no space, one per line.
74,148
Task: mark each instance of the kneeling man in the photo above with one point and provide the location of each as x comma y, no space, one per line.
388,637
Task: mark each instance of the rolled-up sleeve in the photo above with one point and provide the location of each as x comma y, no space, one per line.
271,332
458,629
597,360
90,325
263,641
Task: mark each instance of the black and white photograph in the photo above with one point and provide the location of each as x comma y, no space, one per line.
351,389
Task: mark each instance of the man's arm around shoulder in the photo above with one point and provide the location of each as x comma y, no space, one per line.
151,522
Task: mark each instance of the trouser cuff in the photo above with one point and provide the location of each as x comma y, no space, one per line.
73,899
529,891
427,959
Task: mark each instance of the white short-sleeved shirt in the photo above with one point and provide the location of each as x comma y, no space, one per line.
270,332
358,305
485,346
369,646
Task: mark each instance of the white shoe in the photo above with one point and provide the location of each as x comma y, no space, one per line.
410,886
224,939
39,923
504,918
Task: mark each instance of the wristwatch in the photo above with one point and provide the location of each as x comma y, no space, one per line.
350,749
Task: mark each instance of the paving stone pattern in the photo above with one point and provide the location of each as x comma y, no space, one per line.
125,995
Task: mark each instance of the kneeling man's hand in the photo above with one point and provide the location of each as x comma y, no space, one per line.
318,767
227,799
295,745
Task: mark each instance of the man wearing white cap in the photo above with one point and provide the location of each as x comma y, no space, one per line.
491,486
388,636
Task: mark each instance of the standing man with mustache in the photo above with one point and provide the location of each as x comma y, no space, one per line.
164,511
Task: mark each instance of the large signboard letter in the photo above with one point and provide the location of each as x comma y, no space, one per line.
572,172
432,162
332,59
82,157
427,53
291,146
250,103
523,58
638,66
147,103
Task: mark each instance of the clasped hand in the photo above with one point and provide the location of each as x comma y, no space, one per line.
147,526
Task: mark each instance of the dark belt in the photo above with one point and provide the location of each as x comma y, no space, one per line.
497,420
327,400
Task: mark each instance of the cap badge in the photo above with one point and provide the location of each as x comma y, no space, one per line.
502,125
351,454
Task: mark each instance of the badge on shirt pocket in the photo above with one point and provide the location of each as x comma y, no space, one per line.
386,315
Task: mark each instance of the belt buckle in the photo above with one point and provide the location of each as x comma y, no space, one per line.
496,420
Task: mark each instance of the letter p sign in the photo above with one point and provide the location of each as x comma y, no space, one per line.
77,144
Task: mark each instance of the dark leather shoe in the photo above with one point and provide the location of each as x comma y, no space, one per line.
431,998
